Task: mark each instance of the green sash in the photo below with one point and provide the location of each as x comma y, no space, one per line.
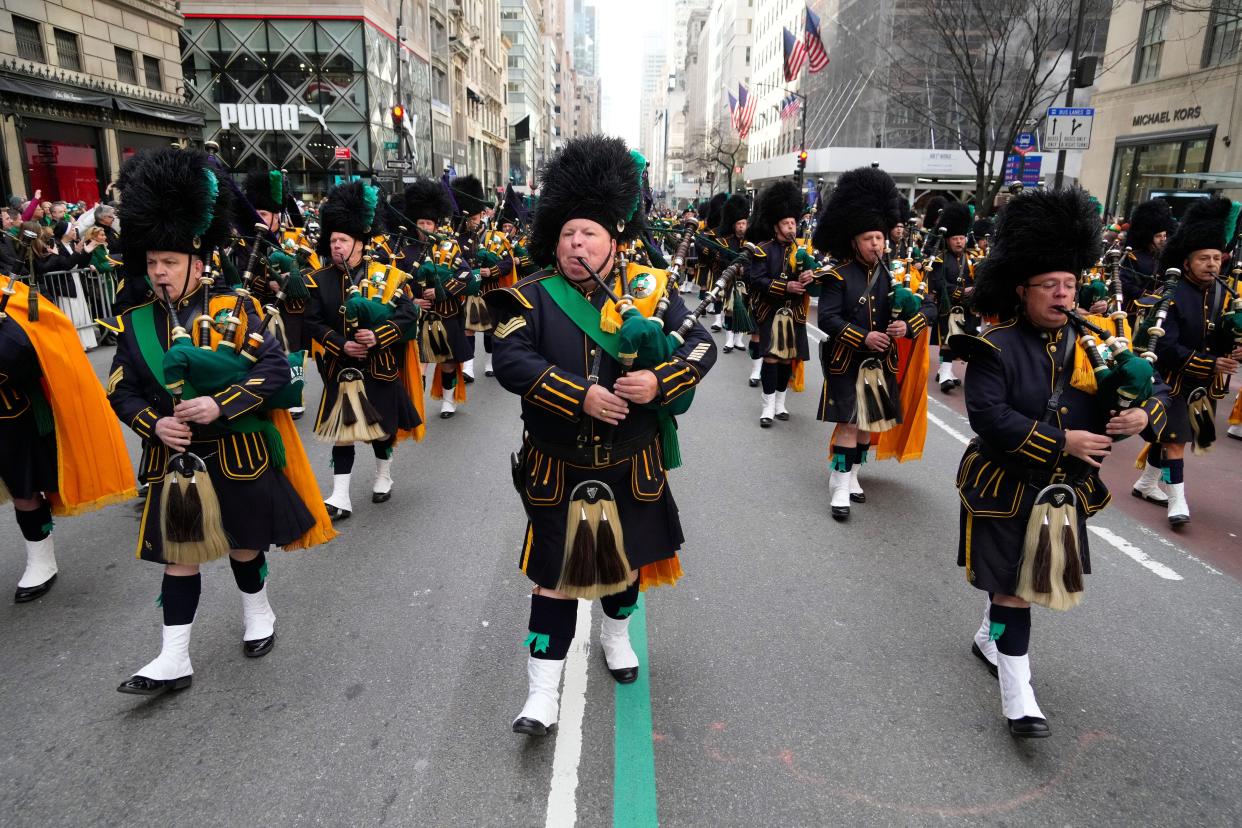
587,317
142,322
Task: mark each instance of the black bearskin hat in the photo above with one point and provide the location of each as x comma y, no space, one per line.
955,219
1202,228
264,190
904,211
931,213
982,229
1038,231
1148,219
779,200
171,199
711,214
468,191
349,209
864,199
736,208
592,177
426,199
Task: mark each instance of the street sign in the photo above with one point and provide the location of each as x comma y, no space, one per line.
1024,143
390,145
341,154
1029,167
1069,128
404,164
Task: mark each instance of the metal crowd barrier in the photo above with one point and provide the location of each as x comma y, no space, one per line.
84,294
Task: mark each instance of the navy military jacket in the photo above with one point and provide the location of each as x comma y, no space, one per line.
539,354
1138,276
325,321
848,311
1193,329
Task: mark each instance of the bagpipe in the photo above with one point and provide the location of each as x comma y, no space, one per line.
494,247
25,244
1102,282
1119,377
1149,326
878,408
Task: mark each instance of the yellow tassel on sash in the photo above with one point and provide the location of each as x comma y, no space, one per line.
1083,377
905,441
93,466
412,382
298,472
1235,416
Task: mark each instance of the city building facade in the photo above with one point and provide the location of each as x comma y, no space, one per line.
521,21
83,86
1168,116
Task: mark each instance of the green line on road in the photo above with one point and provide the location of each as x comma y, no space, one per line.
634,779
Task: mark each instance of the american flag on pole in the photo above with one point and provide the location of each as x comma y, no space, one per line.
745,110
795,55
789,106
732,110
815,50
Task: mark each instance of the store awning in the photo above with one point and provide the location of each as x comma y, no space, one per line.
54,91
180,116
1226,177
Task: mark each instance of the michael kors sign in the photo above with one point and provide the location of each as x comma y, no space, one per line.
267,117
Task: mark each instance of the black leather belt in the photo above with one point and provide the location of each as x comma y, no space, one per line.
596,455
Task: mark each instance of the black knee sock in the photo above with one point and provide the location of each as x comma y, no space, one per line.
448,379
179,598
1174,471
767,376
342,459
1011,629
842,457
783,372
621,604
382,448
35,524
251,574
1155,455
860,453
552,622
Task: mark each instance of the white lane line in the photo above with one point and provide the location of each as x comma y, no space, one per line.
1133,552
1159,538
563,795
948,429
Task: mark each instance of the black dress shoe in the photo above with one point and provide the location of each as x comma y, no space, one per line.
716,328
782,415
1029,727
337,514
296,415
858,497
752,382
24,594
946,386
532,727
444,415
469,377
625,675
1148,498
489,373
143,686
840,513
1177,521
765,422
259,647
974,648
957,383
381,497
727,349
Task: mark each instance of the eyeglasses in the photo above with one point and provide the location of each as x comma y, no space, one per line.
1052,285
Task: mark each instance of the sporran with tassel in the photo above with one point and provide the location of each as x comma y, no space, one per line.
595,563
878,410
433,344
352,418
1050,573
957,321
191,525
478,320
784,344
1202,421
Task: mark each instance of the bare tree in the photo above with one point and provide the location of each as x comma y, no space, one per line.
727,151
985,70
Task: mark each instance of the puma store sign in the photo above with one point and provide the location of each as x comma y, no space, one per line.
267,117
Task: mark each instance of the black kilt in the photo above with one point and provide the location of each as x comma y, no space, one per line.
764,329
649,516
838,399
389,398
256,513
460,342
27,459
1178,429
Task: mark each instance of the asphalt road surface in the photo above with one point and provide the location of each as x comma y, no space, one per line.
803,672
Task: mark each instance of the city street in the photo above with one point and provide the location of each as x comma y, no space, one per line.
803,672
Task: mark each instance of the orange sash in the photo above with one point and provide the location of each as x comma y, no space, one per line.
93,466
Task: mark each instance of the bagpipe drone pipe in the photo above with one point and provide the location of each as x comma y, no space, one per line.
1120,378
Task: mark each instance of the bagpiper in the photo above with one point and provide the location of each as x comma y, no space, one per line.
1148,231
362,320
862,312
201,380
779,276
1197,350
603,360
705,254
1045,420
472,208
61,451
732,234
953,279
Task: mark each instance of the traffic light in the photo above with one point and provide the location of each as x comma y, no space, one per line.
398,116
801,160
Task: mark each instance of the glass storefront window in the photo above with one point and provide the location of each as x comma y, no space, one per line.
64,171
1139,167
